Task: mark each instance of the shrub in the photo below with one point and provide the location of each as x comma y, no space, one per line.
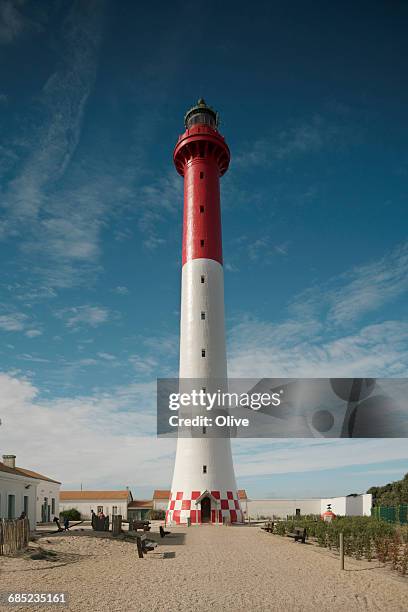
72,514
156,515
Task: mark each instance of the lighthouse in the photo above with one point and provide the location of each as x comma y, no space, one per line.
204,489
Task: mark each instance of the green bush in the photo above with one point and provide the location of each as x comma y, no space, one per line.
72,514
364,537
156,515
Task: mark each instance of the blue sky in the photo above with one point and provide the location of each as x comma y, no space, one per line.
313,105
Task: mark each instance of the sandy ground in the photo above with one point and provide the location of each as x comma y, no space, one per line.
204,568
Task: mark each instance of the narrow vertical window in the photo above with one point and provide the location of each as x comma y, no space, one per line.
202,315
204,469
202,243
202,352
202,279
201,175
201,209
204,430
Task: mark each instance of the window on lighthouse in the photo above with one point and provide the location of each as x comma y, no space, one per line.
202,315
201,209
201,175
204,469
202,279
202,352
202,243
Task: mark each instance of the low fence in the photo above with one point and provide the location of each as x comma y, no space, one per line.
14,535
391,514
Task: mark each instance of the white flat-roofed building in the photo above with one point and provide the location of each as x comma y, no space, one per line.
347,505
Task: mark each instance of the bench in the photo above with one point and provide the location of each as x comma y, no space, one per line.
268,526
299,535
135,525
144,546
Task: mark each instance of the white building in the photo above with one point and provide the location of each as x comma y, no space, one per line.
23,490
111,503
350,505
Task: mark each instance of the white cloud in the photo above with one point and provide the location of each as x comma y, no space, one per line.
33,333
110,434
362,290
121,290
107,356
69,223
285,457
13,322
143,366
78,316
12,22
311,343
305,138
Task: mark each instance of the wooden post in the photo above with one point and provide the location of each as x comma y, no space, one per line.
341,551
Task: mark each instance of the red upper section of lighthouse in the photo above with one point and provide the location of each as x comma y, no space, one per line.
201,156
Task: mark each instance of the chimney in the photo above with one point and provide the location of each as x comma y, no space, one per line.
9,461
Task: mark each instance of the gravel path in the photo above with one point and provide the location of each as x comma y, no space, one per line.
204,568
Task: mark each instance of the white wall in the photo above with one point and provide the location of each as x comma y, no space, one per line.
11,484
367,504
281,507
85,507
338,505
47,490
160,504
342,506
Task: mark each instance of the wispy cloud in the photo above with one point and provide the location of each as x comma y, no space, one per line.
33,333
307,137
310,342
12,20
86,315
121,290
118,424
13,322
362,290
33,201
161,196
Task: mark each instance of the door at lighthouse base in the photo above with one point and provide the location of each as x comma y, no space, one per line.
206,510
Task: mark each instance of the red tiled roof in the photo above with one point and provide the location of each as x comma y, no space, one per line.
93,495
142,503
32,474
159,494
23,472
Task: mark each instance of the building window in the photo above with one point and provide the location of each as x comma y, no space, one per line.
202,279
25,504
202,315
204,389
202,352
201,209
297,511
201,175
114,510
202,243
11,507
52,505
204,430
204,469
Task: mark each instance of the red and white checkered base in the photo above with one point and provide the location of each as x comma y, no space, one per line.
182,505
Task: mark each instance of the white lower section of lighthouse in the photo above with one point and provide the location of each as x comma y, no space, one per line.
204,487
